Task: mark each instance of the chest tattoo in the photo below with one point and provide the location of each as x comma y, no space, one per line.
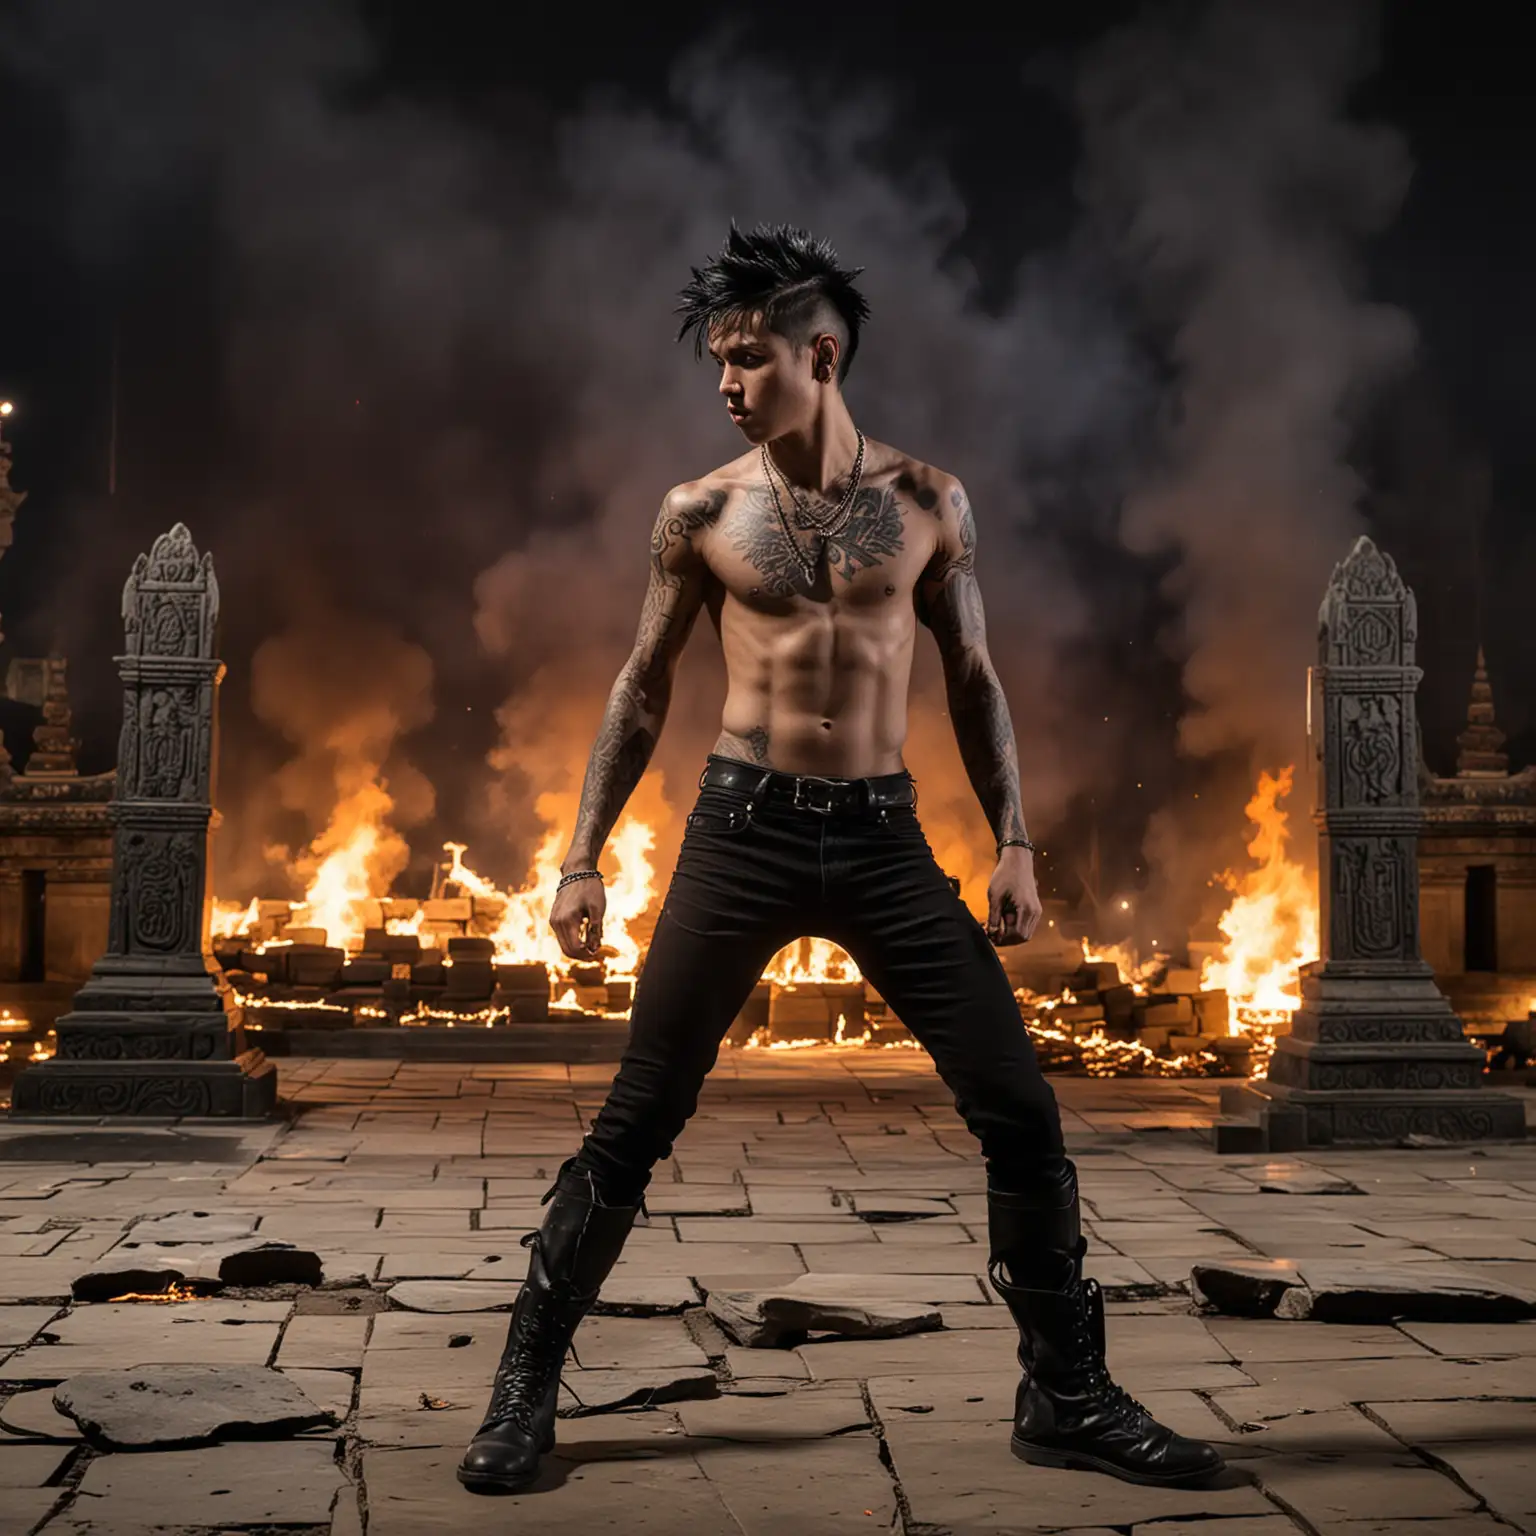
872,533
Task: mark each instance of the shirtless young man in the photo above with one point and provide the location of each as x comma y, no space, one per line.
816,554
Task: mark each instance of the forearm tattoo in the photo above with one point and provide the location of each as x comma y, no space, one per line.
952,608
637,704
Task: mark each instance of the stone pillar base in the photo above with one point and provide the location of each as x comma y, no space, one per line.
242,1088
1265,1116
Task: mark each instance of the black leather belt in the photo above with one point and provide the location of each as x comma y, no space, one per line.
808,792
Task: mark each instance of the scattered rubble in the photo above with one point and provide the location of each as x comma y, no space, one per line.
146,1268
608,1391
772,1319
1346,1291
186,1405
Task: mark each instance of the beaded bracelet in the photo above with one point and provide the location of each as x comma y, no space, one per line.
578,874
1015,842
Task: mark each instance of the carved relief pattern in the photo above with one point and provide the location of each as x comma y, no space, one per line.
1368,616
1391,1122
171,600
104,1095
1371,755
159,899
1370,899
167,756
1388,1031
1420,1075
106,1045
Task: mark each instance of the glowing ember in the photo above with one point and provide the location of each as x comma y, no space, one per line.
1271,927
177,1292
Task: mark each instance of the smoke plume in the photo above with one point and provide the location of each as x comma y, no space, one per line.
450,400
1223,170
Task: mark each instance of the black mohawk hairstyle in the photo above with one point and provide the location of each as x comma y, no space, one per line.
780,272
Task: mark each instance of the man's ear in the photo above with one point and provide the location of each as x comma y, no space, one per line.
825,366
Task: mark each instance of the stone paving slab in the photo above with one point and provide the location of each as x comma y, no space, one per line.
110,1336
413,1493
29,1466
224,1485
18,1325
959,1480
828,1172
23,1508
831,1487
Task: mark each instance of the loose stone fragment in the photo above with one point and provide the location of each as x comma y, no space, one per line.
763,1319
148,1268
646,1295
1243,1287
606,1391
1344,1292
455,1295
183,1405
809,1413
878,1208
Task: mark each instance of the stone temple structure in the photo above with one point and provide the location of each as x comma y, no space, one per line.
55,838
155,1030
1477,870
1375,1052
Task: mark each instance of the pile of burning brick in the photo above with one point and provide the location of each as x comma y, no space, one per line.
1170,1025
439,970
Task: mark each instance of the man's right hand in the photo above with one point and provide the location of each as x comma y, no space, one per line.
576,916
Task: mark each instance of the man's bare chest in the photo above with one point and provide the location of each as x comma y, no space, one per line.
876,556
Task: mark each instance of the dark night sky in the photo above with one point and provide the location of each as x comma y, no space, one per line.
1446,453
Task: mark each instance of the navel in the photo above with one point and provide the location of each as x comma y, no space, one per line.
826,725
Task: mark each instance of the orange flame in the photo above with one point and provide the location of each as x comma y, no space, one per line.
1271,927
811,960
1134,971
230,919
176,1292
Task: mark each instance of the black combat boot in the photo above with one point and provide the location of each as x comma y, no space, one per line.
1068,1412
571,1255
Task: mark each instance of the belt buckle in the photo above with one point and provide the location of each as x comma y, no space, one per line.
810,805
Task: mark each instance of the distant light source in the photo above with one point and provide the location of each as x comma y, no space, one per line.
6,407
1125,906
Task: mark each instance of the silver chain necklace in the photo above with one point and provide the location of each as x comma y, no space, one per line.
805,517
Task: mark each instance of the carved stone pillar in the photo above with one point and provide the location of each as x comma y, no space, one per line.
155,1031
1375,1051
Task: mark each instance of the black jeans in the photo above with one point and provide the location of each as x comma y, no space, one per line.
751,878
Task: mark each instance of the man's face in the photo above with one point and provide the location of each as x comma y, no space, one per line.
768,386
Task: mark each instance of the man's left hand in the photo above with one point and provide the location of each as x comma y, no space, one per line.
1013,903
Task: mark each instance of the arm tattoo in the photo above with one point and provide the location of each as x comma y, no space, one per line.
637,704
977,706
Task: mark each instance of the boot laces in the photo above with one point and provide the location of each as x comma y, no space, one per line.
523,1380
1098,1384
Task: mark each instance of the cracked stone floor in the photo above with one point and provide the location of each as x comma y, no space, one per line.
423,1176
